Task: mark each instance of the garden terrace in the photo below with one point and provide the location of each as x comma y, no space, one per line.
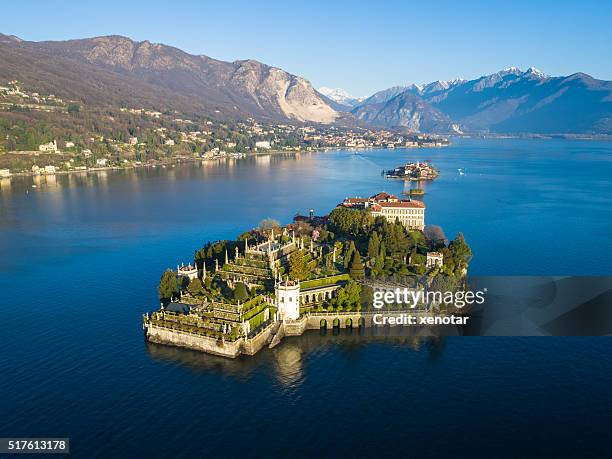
191,324
324,282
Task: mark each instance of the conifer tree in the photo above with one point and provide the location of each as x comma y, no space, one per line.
373,245
357,271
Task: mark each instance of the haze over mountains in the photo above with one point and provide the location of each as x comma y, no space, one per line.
115,70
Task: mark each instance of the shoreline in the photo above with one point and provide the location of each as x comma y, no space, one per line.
174,162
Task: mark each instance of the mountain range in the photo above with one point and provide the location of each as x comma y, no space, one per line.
510,101
114,70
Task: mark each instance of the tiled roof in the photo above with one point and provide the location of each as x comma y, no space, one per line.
400,204
382,196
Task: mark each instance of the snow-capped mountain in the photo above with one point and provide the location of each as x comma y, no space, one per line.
340,96
508,101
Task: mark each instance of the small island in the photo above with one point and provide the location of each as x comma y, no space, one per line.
319,272
413,171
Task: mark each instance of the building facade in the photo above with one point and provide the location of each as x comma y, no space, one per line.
288,299
411,213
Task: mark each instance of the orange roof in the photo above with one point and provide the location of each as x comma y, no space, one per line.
381,196
401,204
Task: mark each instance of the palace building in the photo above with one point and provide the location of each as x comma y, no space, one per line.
410,212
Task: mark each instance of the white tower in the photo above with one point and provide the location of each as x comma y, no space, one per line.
288,299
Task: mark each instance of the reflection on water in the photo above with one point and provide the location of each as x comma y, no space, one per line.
180,171
80,261
513,184
288,358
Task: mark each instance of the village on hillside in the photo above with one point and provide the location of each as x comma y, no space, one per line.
43,134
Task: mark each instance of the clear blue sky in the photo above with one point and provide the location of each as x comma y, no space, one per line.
359,46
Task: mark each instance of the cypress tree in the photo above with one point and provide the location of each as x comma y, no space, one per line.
240,292
357,271
348,256
373,245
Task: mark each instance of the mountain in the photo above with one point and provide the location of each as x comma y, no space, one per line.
513,101
508,101
339,96
405,110
385,95
114,69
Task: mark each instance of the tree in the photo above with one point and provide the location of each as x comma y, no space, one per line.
353,295
298,265
366,297
195,287
373,245
267,225
348,254
443,283
241,292
168,287
357,271
436,236
417,259
379,265
183,282
348,296
460,251
351,222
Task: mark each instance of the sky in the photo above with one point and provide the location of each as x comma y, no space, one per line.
362,46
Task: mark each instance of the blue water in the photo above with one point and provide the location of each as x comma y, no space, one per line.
80,257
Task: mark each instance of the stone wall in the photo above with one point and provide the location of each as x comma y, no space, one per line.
295,327
252,345
179,338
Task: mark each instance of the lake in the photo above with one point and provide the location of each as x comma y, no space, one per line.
81,256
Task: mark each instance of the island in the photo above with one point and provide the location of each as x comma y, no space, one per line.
413,171
237,296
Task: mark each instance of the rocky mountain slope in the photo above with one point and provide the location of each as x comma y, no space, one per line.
115,68
405,110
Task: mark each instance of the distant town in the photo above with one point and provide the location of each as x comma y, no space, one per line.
82,139
417,171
